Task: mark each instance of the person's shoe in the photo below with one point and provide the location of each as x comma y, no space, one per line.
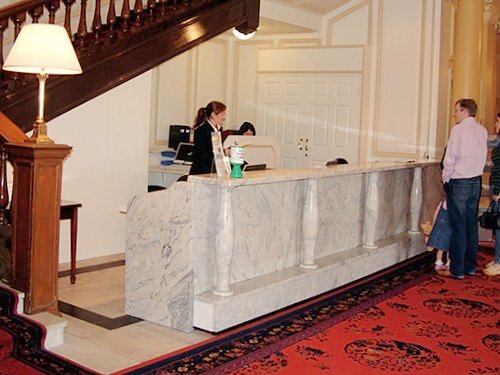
470,273
489,264
493,270
447,273
440,267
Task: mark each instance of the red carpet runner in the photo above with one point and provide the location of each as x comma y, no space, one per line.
404,320
441,326
21,350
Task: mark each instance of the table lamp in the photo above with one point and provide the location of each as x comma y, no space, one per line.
42,49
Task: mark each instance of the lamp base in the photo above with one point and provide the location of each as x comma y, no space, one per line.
39,135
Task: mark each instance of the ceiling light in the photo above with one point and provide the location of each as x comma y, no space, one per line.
242,36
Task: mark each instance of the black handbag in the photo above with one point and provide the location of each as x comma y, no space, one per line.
490,219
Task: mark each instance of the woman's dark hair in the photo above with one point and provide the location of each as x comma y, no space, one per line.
246,126
204,113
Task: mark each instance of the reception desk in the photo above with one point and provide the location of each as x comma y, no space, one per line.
213,253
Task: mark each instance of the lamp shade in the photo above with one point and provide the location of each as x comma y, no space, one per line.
43,48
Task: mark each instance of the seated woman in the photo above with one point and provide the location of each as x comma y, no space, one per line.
246,128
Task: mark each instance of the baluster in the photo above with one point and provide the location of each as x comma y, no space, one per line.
310,226
416,201
111,18
97,23
224,244
163,8
82,24
4,24
138,9
5,227
4,191
67,16
125,15
18,21
151,6
52,8
36,13
371,211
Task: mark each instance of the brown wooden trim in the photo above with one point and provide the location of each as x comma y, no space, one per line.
9,131
97,319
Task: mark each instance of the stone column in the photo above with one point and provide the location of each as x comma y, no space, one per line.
415,201
310,225
224,243
371,211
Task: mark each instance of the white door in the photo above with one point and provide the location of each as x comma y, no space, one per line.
314,118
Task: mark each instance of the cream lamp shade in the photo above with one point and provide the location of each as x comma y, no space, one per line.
43,49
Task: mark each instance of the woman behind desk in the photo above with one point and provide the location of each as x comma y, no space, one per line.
208,119
246,128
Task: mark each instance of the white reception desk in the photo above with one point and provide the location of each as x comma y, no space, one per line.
213,253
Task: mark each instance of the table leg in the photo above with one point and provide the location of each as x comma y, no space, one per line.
74,229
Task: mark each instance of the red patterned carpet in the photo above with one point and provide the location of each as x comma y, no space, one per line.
403,320
441,326
21,351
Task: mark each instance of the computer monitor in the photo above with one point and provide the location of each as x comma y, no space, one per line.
177,134
184,154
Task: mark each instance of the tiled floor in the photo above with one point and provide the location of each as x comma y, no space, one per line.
109,350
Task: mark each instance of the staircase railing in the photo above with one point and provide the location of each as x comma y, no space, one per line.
110,53
119,43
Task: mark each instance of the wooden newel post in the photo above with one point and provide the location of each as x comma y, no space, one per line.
36,200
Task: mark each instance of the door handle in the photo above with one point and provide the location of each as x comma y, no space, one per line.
300,144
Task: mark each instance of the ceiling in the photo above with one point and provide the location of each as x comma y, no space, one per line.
320,7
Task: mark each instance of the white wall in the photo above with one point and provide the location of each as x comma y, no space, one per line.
400,74
108,164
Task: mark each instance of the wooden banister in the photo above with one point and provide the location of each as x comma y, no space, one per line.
10,132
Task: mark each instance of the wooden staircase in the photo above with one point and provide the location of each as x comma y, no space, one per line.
110,53
116,51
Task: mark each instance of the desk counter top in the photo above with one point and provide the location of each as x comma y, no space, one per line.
279,175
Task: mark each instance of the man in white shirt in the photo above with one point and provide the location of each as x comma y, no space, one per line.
463,166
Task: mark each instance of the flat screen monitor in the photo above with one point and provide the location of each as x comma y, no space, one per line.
177,134
184,154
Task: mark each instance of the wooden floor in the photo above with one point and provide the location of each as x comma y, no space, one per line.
99,334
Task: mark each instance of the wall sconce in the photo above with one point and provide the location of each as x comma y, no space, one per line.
42,49
242,36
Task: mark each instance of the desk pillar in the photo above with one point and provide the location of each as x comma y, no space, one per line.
371,211
224,244
416,201
310,226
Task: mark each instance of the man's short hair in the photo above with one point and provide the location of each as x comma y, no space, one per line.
468,104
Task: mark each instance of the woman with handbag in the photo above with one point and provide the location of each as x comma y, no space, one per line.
493,268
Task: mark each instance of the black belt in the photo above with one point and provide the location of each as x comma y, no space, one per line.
466,179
